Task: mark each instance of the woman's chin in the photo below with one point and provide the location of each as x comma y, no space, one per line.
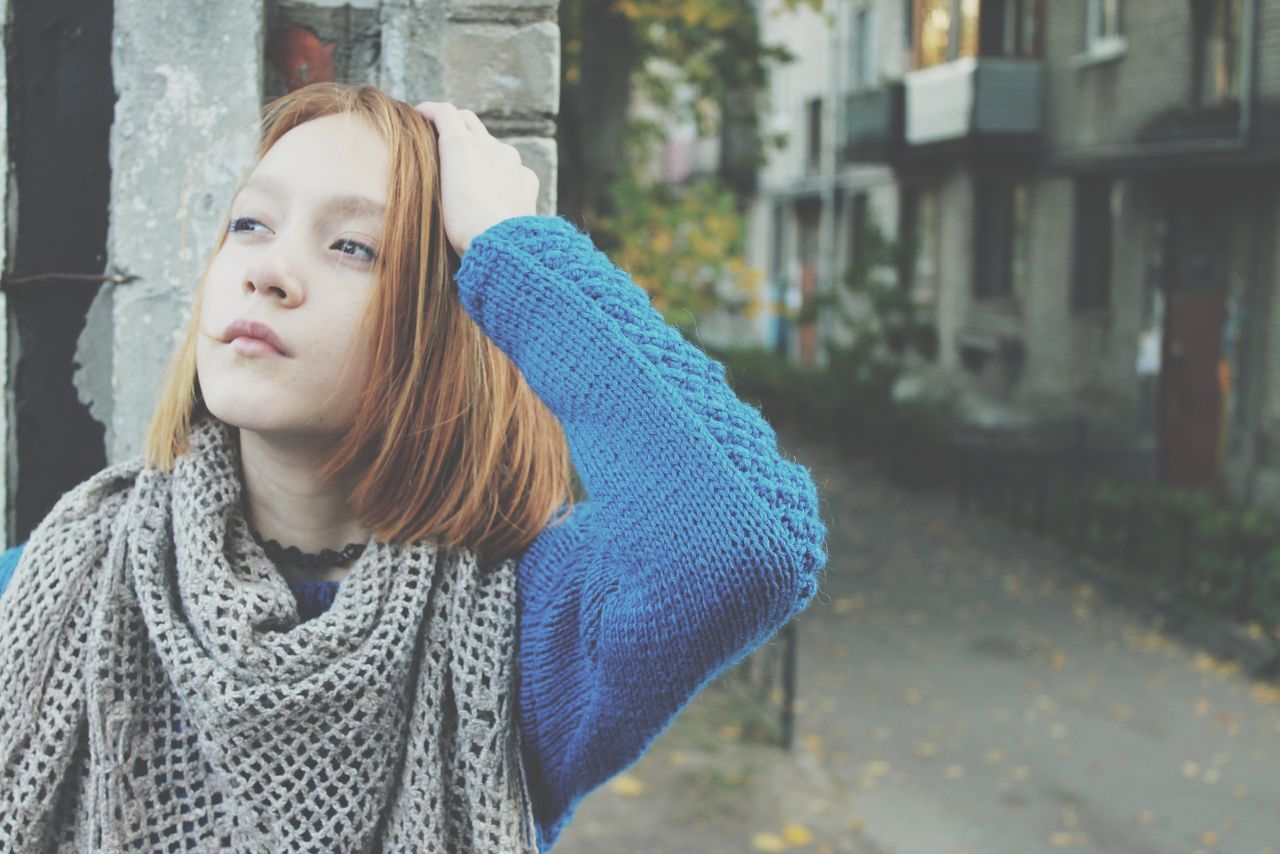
248,413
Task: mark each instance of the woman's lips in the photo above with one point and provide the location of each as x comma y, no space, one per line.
254,332
253,347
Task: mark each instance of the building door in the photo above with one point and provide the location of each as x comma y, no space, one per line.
1192,378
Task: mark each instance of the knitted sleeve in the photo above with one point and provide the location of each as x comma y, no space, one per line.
8,563
698,541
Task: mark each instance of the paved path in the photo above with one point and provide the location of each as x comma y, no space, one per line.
963,688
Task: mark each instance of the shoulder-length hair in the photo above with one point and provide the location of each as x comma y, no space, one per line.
449,441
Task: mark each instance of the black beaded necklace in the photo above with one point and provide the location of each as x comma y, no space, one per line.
296,557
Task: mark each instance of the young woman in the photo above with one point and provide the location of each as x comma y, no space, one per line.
391,364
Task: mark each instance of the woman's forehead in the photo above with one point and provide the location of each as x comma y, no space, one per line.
340,155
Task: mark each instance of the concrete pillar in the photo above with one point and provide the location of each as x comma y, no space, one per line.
187,75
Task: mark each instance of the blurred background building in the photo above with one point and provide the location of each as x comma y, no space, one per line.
1089,190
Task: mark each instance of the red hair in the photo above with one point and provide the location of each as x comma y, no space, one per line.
450,441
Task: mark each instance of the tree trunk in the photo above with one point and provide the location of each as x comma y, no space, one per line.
593,111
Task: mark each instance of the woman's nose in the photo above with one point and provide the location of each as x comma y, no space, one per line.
274,273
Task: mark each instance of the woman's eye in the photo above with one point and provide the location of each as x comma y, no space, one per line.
358,246
346,246
237,224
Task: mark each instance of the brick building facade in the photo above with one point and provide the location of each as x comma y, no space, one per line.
1091,190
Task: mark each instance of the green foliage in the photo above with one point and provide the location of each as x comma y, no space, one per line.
685,245
854,397
1182,545
827,403
713,46
1196,549
886,323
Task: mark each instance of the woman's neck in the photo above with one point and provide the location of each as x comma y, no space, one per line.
286,501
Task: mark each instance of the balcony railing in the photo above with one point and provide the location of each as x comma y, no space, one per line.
988,98
872,125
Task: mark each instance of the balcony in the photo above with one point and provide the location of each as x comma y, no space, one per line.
986,103
872,125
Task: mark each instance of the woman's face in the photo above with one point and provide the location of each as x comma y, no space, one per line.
299,257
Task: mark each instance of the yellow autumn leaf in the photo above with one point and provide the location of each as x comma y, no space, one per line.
1122,713
1265,694
768,842
796,834
877,768
729,732
628,786
925,749
662,241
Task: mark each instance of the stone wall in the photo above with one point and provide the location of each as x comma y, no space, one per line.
189,76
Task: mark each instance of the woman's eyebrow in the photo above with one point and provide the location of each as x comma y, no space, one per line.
350,204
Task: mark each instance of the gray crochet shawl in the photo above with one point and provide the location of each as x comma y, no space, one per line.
159,693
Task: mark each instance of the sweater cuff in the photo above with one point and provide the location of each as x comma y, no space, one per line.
551,242
534,234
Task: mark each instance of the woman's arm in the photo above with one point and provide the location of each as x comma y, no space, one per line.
8,563
699,540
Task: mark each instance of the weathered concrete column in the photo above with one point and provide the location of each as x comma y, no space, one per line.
185,74
189,74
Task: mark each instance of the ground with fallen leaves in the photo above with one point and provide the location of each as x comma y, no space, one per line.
964,688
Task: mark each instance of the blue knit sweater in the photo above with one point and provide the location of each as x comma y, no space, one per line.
698,540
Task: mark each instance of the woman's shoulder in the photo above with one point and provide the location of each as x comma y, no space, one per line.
102,493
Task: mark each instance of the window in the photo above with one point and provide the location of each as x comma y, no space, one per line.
1218,28
813,123
863,75
1096,210
945,30
1102,24
1014,28
935,33
1001,240
969,27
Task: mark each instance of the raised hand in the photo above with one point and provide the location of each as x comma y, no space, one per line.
482,180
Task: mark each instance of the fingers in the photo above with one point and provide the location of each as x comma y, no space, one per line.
448,118
473,122
444,116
